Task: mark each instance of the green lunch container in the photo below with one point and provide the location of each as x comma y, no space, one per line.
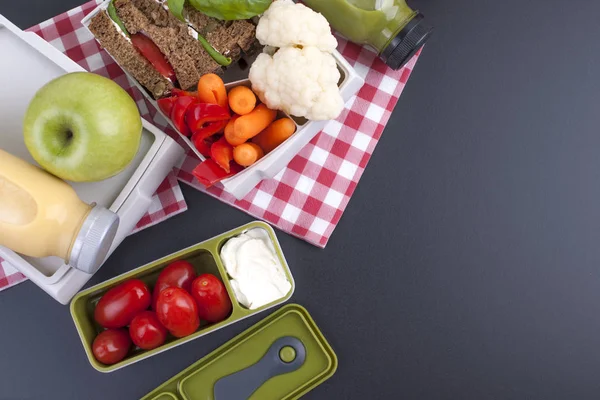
282,357
206,259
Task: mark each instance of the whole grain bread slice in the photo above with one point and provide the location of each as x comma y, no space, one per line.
187,56
229,38
127,56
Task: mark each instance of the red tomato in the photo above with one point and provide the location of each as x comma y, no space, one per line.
211,297
177,311
152,53
111,346
146,331
180,107
120,304
179,274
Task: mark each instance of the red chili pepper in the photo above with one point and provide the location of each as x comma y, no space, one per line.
178,93
222,153
201,114
166,105
209,172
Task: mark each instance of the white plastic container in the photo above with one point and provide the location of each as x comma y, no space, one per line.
28,62
270,165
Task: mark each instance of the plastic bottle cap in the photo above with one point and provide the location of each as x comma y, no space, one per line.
94,240
287,354
407,42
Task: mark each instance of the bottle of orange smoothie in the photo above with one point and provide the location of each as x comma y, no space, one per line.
41,215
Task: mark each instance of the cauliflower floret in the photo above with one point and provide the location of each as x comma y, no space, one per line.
288,24
301,82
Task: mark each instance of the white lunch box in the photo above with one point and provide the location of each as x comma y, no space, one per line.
28,63
240,184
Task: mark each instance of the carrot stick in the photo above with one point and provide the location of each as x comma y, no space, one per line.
249,125
242,100
247,154
211,89
230,132
275,134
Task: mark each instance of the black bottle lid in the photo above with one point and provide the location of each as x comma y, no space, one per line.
407,42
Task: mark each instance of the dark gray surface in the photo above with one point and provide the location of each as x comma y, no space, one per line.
467,263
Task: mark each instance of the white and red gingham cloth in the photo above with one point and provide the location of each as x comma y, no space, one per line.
307,198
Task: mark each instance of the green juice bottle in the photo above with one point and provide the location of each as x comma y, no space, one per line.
389,26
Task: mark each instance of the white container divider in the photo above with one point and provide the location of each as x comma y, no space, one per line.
28,63
240,184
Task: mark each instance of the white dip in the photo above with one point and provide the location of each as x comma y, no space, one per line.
257,277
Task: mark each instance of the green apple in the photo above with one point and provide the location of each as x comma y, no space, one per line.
82,127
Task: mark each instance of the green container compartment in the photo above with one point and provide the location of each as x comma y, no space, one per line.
205,258
197,382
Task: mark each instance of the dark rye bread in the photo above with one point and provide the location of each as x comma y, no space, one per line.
187,56
127,56
227,37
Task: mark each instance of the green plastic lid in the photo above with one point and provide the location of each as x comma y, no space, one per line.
280,358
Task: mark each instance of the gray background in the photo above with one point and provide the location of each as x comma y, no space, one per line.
467,263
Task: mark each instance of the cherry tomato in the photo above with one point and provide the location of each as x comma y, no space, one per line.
120,304
211,297
111,346
146,331
179,274
177,311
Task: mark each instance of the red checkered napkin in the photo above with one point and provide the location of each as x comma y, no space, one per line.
66,33
308,197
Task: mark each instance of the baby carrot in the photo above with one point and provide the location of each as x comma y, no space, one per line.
275,134
249,125
242,100
247,154
230,133
211,89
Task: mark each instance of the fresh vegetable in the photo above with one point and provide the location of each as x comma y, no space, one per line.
177,311
178,113
120,304
308,89
229,129
247,154
211,89
166,104
286,23
231,9
201,119
242,100
214,304
153,54
112,13
178,92
146,331
176,7
275,134
222,153
249,125
218,57
111,346
209,172
203,145
179,274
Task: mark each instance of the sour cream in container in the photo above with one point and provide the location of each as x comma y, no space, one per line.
257,276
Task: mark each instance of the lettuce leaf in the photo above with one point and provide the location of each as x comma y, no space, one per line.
176,7
231,9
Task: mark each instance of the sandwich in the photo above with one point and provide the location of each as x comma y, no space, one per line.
163,52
